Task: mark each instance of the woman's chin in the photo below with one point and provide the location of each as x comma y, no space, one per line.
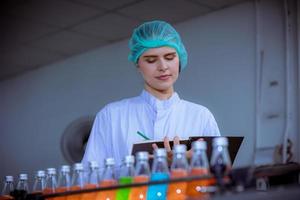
164,89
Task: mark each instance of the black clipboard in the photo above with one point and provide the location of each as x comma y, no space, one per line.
234,143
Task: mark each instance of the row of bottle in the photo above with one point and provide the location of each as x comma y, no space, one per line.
130,173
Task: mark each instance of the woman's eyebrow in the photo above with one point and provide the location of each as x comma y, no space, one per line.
150,56
154,56
168,54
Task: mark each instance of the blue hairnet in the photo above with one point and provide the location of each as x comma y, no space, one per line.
156,34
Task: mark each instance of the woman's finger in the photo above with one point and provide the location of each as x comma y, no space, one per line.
189,154
154,146
167,144
176,140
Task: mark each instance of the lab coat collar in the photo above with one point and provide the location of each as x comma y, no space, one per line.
158,104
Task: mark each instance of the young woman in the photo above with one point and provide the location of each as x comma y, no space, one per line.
158,112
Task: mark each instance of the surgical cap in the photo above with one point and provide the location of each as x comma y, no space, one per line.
156,34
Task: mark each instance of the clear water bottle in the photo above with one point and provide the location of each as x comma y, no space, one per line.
93,176
220,163
160,171
51,181
64,179
39,182
77,180
179,169
22,186
179,161
142,166
126,176
109,171
160,164
23,182
142,174
108,178
8,187
199,166
199,157
127,168
93,180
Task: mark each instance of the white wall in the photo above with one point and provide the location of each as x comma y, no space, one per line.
36,107
221,73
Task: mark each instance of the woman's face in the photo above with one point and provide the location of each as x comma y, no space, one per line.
159,68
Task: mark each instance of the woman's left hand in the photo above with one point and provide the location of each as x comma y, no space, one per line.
168,148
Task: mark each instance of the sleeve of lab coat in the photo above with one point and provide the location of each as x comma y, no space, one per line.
97,148
211,127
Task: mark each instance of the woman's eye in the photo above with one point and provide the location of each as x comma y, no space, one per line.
150,60
170,57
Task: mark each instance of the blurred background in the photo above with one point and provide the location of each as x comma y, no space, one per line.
61,61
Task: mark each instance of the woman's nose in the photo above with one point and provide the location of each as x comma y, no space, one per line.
162,65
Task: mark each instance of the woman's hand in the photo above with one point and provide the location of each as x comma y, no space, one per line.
168,148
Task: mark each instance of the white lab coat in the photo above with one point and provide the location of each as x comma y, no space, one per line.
116,125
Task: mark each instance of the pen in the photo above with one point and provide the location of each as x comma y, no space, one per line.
142,135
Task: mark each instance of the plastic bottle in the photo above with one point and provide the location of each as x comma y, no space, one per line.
199,166
8,188
126,177
22,186
142,174
64,181
77,181
179,169
23,182
160,171
220,163
93,180
40,182
51,181
108,178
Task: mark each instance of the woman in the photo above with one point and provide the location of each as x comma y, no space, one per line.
158,112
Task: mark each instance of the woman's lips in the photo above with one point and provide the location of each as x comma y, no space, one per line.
163,77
